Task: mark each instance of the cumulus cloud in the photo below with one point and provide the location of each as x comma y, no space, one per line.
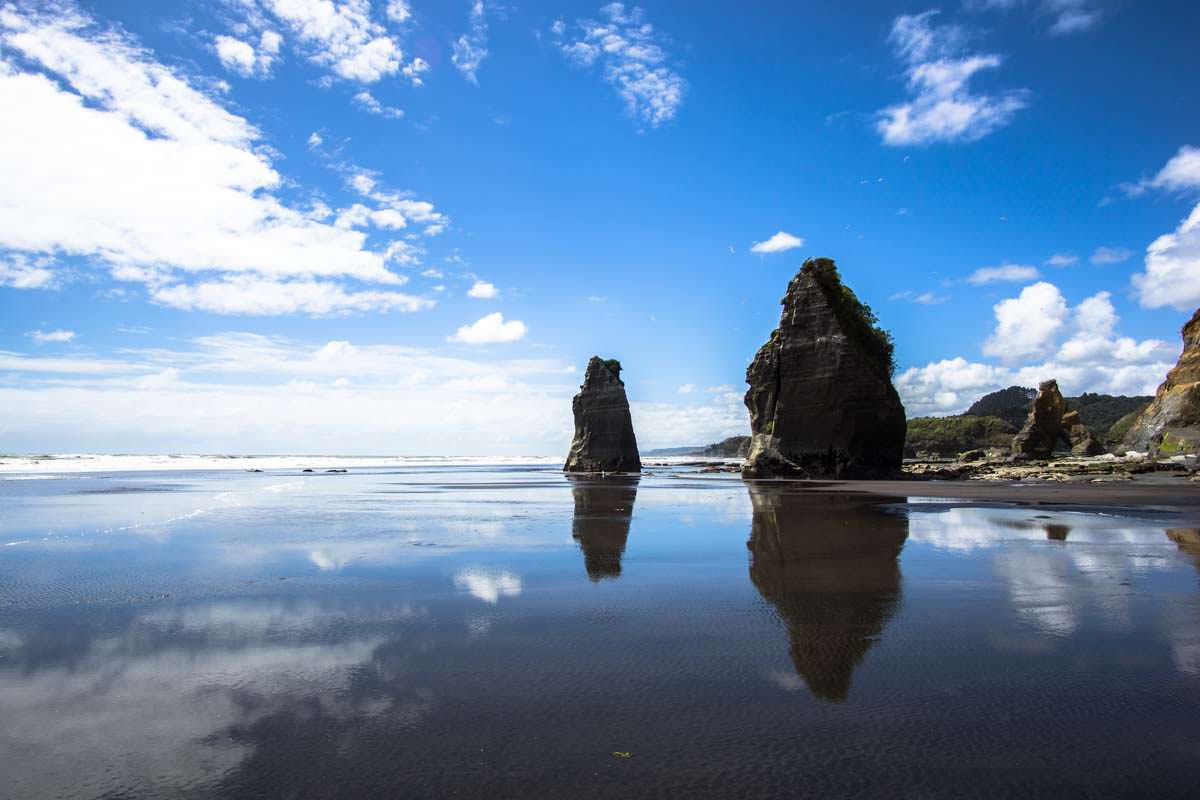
632,57
124,161
1110,255
1080,347
45,337
779,243
491,329
1008,273
244,59
341,36
942,107
470,49
687,388
1026,325
482,290
1172,276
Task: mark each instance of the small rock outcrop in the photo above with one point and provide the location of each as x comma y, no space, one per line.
1170,425
1043,428
1082,442
604,440
821,398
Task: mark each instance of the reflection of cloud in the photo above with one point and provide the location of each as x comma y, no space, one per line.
171,700
1056,568
488,585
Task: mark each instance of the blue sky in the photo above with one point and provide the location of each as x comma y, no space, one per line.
386,227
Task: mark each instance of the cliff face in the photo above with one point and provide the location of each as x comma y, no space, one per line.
1170,425
821,398
604,440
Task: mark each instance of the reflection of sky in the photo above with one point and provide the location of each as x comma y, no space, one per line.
1052,584
158,638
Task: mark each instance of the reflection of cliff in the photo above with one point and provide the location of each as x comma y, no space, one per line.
828,563
1188,541
603,510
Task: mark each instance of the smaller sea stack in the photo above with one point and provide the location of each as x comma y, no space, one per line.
604,440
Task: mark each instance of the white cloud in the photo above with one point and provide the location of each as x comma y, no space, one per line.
1093,357
241,57
1062,260
21,272
1069,16
687,388
1110,255
633,60
244,294
341,36
1027,325
483,290
1172,276
44,337
779,243
367,102
942,107
399,11
250,393
315,140
491,329
488,585
470,49
1004,273
149,176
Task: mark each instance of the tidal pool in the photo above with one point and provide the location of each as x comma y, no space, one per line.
504,631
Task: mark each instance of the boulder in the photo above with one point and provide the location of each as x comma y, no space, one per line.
1039,437
1170,425
604,440
821,398
1083,443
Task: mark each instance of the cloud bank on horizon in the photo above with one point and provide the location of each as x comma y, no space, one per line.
310,206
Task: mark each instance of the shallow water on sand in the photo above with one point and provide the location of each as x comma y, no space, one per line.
494,632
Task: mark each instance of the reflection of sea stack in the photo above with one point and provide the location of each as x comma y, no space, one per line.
604,440
603,510
1056,531
821,398
828,563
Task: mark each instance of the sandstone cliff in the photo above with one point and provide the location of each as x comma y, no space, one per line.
604,440
1170,425
821,398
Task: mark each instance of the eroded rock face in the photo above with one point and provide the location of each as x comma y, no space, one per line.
829,565
821,398
604,440
1044,426
1170,425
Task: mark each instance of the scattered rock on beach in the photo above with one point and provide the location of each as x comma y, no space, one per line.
821,398
604,440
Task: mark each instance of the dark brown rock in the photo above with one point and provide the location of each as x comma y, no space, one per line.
1082,442
603,511
1043,428
1170,425
828,564
821,398
604,440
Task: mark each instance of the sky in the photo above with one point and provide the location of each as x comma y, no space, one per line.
355,227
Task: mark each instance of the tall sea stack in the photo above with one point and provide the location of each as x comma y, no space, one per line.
1170,425
604,440
821,398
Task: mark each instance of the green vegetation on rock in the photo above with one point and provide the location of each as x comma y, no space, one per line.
614,366
856,317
